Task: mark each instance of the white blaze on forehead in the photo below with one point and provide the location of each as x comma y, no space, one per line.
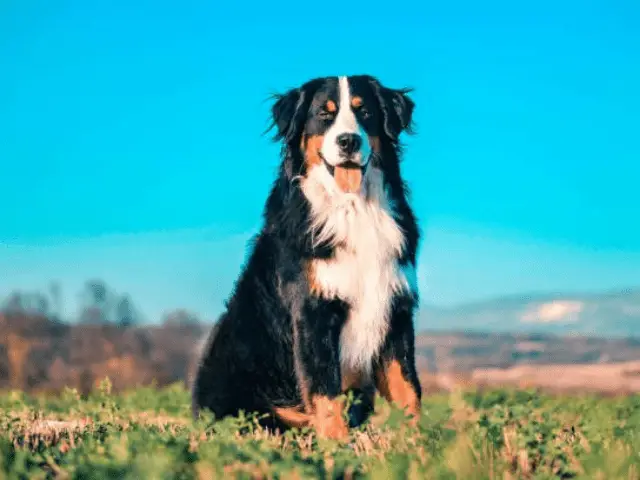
345,122
364,271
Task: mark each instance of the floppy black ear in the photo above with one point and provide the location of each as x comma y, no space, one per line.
397,109
288,114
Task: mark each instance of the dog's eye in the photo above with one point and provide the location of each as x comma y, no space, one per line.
325,114
364,112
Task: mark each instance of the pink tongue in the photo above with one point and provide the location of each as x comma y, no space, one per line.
348,179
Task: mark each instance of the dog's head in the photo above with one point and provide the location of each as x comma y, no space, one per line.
338,128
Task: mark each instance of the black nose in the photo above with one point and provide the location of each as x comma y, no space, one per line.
349,143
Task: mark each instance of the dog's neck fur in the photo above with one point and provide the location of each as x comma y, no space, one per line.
366,243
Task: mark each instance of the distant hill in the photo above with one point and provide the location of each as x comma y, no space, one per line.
605,314
439,352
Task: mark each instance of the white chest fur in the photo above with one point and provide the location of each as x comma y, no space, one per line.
364,270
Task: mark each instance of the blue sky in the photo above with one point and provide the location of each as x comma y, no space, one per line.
121,124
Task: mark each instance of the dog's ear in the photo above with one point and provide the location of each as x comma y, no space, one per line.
396,107
288,114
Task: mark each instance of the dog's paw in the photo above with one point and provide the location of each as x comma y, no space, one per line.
328,420
334,428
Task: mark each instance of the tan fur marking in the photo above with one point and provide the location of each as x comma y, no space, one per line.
331,106
348,179
374,143
328,419
356,102
396,389
351,379
293,416
311,146
315,288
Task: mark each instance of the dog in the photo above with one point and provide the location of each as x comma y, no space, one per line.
325,302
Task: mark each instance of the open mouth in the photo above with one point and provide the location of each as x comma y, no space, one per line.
348,165
348,175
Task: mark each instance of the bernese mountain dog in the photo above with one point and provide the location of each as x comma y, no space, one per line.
325,302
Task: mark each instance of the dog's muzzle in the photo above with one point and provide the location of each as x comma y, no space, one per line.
348,165
348,175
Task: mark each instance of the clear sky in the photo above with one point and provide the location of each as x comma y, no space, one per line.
131,147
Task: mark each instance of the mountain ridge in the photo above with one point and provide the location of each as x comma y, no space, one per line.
607,313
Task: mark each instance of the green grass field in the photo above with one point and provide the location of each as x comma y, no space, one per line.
148,433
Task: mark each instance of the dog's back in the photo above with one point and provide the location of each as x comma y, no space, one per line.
247,361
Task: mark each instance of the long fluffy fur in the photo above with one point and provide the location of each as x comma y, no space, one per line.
329,288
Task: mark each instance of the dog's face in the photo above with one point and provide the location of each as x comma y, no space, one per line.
340,126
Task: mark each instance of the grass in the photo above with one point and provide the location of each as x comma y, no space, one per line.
148,434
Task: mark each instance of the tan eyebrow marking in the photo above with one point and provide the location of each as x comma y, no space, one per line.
356,102
331,106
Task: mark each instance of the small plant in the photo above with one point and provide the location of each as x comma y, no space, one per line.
149,433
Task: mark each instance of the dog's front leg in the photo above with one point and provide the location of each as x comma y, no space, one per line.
317,362
395,371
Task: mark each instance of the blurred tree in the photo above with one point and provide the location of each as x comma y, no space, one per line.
13,303
33,303
98,291
55,290
96,303
125,312
39,303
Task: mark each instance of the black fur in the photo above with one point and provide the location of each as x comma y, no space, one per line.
275,336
